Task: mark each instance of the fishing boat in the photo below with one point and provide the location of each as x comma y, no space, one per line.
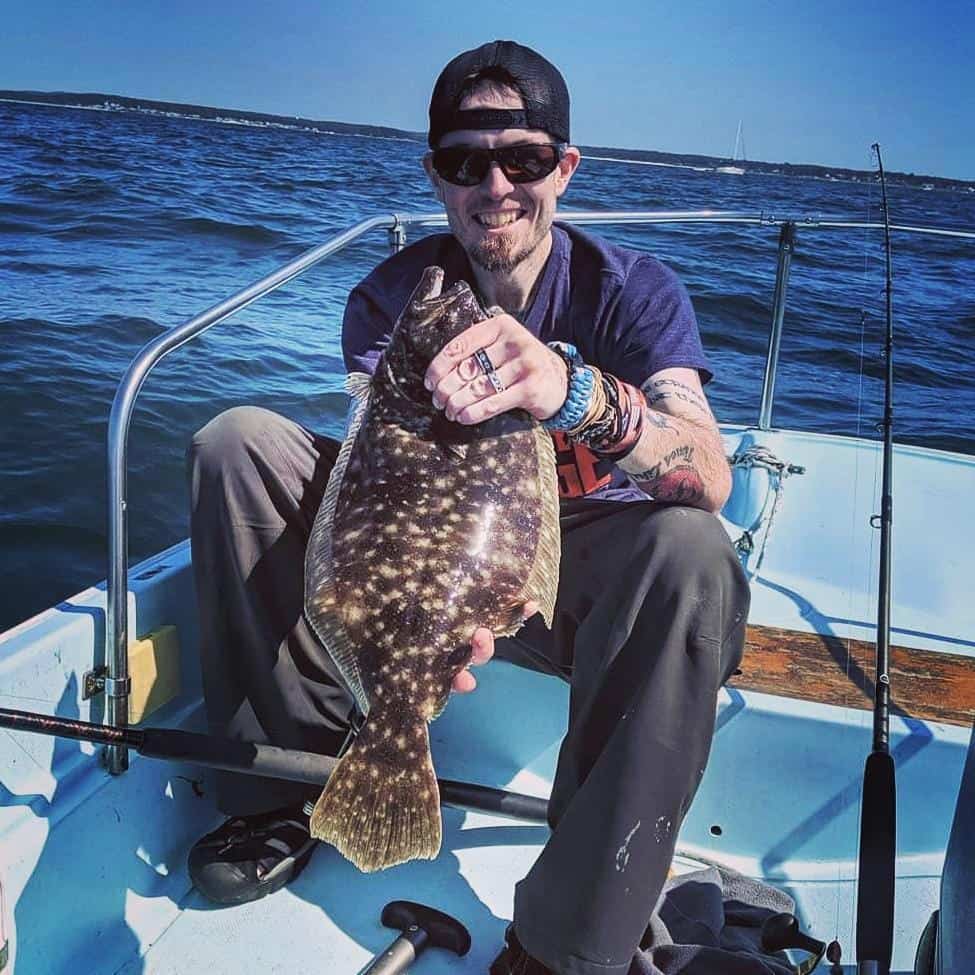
94,834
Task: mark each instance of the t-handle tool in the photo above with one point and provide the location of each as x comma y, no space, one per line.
421,926
781,931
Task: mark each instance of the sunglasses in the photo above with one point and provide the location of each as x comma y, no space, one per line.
465,166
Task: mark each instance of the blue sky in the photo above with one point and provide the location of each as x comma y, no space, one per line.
811,81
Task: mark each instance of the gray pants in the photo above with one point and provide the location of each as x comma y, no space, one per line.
649,623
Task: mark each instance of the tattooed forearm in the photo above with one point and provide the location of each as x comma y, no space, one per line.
679,457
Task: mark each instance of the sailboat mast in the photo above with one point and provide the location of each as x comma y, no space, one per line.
737,149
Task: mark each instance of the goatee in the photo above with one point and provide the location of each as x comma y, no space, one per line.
498,255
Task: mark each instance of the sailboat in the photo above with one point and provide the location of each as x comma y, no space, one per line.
737,154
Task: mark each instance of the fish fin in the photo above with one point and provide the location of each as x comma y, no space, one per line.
322,608
380,807
543,579
357,384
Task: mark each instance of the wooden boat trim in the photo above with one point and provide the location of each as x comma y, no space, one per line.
929,685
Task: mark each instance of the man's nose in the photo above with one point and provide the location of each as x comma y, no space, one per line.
495,182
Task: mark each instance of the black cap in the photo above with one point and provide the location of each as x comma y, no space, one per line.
541,85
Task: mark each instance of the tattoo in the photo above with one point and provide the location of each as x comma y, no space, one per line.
684,453
655,392
678,483
650,474
657,418
682,485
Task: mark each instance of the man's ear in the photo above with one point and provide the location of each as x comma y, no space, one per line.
432,176
567,166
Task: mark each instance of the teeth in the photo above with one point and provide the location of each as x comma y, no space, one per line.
497,219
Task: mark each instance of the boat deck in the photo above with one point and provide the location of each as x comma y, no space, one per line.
93,867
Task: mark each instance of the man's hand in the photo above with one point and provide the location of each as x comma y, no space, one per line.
532,376
482,644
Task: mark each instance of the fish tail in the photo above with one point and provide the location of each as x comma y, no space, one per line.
381,805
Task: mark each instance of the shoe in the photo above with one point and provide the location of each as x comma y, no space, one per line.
514,960
249,857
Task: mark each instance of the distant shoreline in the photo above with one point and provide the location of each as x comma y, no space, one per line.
122,103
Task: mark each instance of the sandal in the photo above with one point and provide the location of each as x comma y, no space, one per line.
249,857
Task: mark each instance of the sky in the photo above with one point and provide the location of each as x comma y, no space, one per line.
812,81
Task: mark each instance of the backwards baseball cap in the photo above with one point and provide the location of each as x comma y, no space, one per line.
539,82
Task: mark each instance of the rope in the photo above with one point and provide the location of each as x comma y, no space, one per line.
761,457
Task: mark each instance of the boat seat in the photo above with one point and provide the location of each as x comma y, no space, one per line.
946,946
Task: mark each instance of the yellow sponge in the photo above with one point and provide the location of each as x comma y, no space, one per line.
154,669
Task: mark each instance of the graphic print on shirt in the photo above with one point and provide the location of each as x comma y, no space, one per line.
580,471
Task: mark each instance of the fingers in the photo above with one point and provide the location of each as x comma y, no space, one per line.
527,374
472,371
478,336
464,682
482,647
478,389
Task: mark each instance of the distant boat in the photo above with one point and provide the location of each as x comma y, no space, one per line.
738,154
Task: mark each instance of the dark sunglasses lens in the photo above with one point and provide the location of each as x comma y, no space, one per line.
462,166
525,164
521,164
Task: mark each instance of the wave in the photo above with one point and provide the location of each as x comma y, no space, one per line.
254,233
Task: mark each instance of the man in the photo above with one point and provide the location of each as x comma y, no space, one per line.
652,602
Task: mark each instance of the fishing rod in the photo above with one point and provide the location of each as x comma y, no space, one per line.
878,815
172,744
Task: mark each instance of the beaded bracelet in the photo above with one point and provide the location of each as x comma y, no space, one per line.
600,411
616,430
579,390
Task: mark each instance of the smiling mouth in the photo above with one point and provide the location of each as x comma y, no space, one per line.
493,221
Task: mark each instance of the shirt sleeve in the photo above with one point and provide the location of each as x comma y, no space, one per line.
366,329
655,326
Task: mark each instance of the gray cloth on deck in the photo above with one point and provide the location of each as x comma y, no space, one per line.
709,922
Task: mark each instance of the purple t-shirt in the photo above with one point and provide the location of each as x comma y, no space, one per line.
622,309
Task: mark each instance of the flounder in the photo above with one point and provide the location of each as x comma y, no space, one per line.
428,530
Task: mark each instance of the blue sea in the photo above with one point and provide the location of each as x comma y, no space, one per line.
115,226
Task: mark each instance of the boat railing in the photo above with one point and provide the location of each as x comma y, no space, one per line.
114,679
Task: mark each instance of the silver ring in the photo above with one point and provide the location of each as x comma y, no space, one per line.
495,380
484,361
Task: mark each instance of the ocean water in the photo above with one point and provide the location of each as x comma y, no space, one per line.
117,226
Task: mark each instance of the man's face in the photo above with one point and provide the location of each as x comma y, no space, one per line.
499,223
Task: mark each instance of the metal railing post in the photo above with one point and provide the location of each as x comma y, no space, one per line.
397,238
787,244
116,681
